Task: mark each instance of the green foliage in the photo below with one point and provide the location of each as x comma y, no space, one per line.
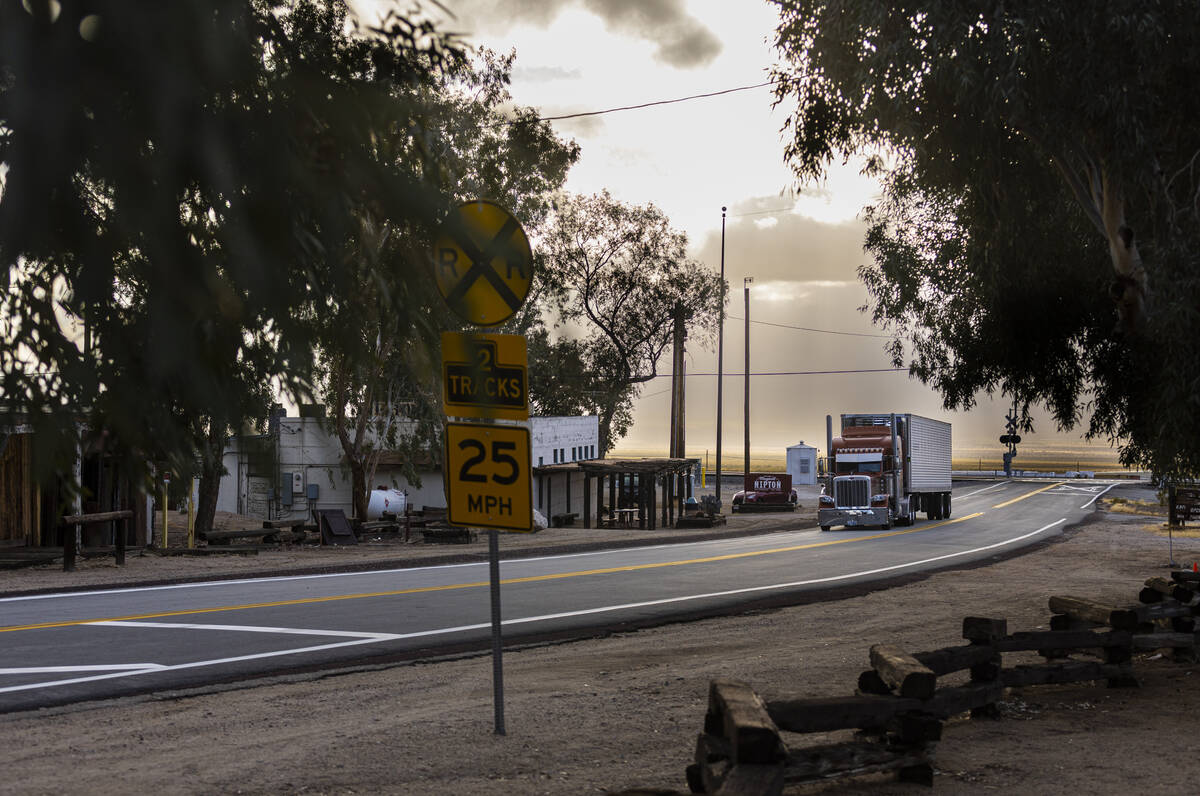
1032,155
380,371
617,272
184,187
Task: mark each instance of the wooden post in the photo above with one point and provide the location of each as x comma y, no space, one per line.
641,493
599,500
1091,611
652,509
587,501
122,530
985,632
69,533
738,715
191,535
668,500
903,672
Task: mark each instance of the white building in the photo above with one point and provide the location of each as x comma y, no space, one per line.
556,440
802,463
299,465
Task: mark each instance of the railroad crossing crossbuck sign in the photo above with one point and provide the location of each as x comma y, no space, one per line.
487,472
482,263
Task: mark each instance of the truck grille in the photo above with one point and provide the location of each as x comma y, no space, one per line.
852,492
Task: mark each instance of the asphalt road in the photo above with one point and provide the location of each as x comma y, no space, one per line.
64,648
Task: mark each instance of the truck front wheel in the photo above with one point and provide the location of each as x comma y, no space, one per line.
826,527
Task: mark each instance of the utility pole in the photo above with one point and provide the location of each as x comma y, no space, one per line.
720,360
678,371
746,289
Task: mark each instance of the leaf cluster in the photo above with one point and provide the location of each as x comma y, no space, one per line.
1017,142
184,184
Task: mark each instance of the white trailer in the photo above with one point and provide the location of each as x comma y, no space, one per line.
884,468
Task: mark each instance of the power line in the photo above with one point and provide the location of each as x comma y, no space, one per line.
809,329
648,104
794,373
792,206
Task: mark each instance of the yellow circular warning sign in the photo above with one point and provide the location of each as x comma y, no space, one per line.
482,263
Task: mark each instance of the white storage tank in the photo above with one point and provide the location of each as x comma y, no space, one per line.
802,463
391,501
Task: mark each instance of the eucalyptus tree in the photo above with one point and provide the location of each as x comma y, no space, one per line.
381,371
1040,221
617,275
182,182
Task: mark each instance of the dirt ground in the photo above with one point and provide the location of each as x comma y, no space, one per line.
621,712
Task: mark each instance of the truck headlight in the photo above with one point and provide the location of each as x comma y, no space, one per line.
826,502
878,500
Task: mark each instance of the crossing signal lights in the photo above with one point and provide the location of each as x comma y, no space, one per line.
1010,439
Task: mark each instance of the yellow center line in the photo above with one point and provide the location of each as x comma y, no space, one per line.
1027,494
480,584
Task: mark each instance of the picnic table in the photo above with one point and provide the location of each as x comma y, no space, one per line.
625,517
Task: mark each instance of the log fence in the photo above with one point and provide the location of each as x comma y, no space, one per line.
902,702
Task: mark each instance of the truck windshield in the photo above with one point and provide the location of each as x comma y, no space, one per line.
858,467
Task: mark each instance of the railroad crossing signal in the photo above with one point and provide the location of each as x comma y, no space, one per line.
1011,438
487,476
483,264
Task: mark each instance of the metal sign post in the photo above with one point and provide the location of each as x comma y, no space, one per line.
497,641
483,267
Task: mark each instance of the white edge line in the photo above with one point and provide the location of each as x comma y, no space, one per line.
245,628
792,584
1093,500
94,668
979,491
192,665
530,619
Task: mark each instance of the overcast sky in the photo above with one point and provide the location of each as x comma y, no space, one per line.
802,244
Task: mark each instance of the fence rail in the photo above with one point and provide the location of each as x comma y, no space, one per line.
900,705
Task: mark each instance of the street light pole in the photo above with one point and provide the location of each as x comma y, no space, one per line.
746,289
720,360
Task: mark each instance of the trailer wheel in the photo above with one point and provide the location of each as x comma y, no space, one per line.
946,504
826,527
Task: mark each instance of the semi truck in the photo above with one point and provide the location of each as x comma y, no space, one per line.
883,469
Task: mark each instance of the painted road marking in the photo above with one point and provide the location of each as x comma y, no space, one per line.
192,665
980,491
248,629
115,667
544,617
1027,494
482,584
1097,497
391,571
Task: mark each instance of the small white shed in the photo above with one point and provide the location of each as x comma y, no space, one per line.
802,463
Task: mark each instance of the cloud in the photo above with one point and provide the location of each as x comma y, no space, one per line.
544,74
794,248
682,40
582,126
